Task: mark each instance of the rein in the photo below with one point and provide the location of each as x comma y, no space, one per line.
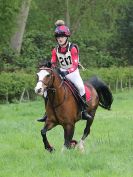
51,76
64,98
50,83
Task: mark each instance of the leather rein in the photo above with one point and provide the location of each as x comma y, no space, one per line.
50,83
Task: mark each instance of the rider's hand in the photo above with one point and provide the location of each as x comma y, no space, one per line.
64,73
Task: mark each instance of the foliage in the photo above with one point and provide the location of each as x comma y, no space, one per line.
13,84
7,60
36,46
124,35
116,78
103,31
8,12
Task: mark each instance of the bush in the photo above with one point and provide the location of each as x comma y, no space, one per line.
36,46
116,78
13,84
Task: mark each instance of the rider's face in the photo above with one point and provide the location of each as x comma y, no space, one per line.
61,40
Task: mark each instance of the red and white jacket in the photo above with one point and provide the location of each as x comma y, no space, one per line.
67,57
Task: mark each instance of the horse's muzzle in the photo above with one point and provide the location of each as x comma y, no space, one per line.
39,91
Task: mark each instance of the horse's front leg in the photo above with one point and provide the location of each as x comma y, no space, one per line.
68,134
48,126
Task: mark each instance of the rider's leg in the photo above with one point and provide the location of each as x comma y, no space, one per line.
76,79
85,114
43,119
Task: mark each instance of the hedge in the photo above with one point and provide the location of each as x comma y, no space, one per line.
116,78
12,85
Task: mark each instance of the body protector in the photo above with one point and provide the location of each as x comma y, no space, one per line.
65,59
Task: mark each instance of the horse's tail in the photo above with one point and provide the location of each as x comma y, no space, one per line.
104,93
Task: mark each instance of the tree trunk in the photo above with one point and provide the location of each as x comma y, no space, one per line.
67,13
17,37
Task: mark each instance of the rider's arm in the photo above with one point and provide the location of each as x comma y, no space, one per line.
54,58
75,59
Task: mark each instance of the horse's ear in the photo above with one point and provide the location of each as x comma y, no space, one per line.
49,64
45,63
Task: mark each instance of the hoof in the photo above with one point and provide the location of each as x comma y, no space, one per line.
50,149
73,143
80,146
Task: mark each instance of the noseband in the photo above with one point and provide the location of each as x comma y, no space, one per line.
50,83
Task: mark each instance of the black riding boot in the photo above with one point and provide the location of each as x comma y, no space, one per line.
43,119
85,114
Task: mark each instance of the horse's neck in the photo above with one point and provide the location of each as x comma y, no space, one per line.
59,89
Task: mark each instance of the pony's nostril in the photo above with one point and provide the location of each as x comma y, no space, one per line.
39,90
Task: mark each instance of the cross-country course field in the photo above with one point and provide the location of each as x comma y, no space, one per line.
108,148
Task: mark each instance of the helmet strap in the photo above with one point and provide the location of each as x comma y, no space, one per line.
64,43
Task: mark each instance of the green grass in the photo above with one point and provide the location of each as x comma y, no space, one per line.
108,149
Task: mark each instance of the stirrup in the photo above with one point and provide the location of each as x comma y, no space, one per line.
43,119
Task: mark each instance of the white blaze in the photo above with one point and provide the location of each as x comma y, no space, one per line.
39,86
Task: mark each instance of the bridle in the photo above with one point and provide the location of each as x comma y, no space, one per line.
49,85
51,78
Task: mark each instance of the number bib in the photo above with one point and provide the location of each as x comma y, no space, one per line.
65,60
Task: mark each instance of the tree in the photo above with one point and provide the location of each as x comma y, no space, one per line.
17,37
67,13
122,43
8,11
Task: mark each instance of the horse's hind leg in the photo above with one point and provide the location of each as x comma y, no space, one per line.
86,133
68,135
47,127
87,129
88,125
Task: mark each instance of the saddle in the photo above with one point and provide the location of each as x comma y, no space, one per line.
76,93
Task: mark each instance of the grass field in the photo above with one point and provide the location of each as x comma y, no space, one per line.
108,149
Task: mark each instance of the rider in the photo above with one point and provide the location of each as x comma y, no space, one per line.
67,55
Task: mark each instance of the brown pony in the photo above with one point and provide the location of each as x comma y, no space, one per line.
63,109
